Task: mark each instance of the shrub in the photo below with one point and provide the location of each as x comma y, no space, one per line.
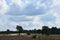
34,36
28,33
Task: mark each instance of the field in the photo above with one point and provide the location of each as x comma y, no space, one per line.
29,37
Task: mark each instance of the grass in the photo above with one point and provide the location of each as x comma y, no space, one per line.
29,37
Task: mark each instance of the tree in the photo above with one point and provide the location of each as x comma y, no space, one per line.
19,29
58,30
8,31
39,31
35,31
45,30
54,30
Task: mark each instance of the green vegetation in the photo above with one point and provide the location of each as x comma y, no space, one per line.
28,33
44,31
34,36
19,29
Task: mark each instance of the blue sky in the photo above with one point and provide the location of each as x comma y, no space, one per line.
30,14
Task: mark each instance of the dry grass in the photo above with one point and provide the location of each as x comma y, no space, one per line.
29,37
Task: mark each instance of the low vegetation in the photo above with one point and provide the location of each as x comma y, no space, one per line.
34,36
45,33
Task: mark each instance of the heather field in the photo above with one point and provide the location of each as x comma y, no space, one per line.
30,37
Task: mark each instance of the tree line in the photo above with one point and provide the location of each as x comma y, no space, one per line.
45,30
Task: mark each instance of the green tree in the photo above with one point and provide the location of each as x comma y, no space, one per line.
54,30
39,31
19,29
8,31
35,31
45,30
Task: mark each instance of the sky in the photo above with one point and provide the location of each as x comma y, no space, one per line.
30,14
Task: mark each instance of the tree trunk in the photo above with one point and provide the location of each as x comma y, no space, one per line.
19,34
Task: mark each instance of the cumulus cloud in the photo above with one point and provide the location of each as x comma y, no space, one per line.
29,7
3,7
29,13
20,18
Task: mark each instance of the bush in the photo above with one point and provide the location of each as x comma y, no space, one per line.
34,36
28,33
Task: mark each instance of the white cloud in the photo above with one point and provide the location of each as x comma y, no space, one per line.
25,24
29,17
18,2
51,24
56,14
39,5
36,21
3,7
56,2
14,23
27,2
